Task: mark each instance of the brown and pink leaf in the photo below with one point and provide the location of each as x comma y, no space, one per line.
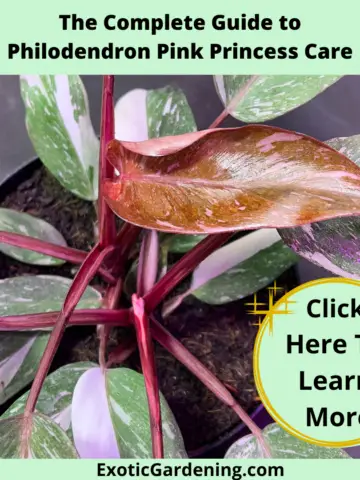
230,179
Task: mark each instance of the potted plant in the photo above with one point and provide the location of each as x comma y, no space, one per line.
169,231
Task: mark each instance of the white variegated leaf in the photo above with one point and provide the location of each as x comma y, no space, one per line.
110,417
142,114
238,269
20,352
46,439
18,368
92,427
59,126
258,98
18,222
56,395
281,445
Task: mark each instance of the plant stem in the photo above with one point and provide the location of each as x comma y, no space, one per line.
44,321
148,262
173,346
107,229
86,272
183,268
219,118
234,101
121,352
67,254
110,301
147,359
124,241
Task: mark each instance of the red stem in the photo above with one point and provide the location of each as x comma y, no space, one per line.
107,229
82,279
183,268
234,101
71,255
205,376
110,301
148,263
121,352
93,316
147,358
219,118
124,241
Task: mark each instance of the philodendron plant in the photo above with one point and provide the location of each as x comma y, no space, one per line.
177,190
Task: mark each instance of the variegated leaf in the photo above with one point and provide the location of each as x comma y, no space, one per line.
258,98
20,352
333,244
142,114
18,222
56,395
238,269
251,262
40,294
180,243
281,445
45,439
59,126
230,179
110,417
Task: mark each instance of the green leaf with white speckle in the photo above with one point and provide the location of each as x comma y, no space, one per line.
281,445
24,224
333,244
181,243
46,439
40,294
131,419
56,395
238,269
110,417
258,98
142,114
20,352
59,126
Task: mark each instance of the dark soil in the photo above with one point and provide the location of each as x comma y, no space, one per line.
222,337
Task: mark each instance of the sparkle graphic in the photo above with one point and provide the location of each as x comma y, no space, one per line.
270,309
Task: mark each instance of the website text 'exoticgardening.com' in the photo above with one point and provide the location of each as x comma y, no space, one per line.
159,470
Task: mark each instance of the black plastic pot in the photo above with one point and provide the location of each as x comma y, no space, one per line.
218,448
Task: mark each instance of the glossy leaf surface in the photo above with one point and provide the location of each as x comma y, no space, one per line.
231,179
333,244
258,98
